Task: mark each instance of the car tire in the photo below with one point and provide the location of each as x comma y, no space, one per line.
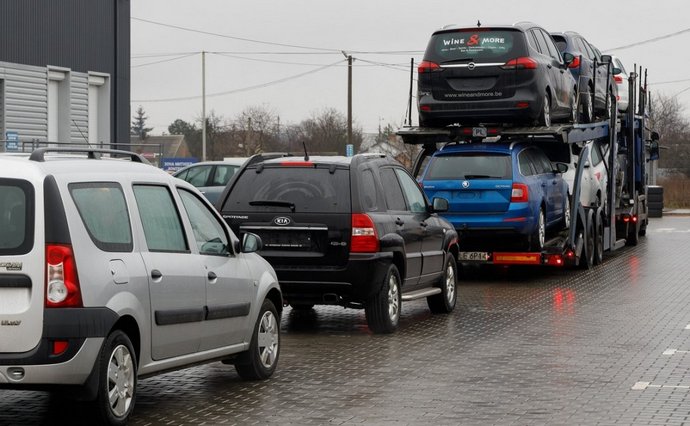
117,372
565,223
574,115
587,113
260,360
444,302
383,310
538,238
587,255
546,112
633,235
643,228
599,241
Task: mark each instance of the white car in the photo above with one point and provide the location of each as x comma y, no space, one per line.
595,176
621,79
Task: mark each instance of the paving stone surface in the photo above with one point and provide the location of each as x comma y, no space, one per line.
524,346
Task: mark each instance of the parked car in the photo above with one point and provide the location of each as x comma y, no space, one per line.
595,173
210,177
494,74
112,269
502,196
581,65
351,231
620,76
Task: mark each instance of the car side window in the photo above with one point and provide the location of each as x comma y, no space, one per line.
546,165
222,175
590,52
416,202
395,200
553,50
540,42
536,161
369,192
103,210
209,234
524,164
198,176
597,156
161,220
531,41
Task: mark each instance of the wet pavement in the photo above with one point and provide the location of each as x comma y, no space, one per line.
524,346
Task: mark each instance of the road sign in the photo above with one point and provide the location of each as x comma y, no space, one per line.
349,150
11,141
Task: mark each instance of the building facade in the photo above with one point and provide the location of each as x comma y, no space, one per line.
64,71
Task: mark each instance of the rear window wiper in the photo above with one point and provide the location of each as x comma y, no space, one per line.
273,203
479,177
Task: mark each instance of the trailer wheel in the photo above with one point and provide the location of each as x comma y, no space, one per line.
633,235
587,256
599,243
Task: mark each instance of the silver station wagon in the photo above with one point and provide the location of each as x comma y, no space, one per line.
112,270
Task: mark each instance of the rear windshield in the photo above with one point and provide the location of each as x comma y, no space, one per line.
278,189
475,46
470,165
16,217
560,42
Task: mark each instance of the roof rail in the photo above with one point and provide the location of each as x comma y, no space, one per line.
92,153
259,158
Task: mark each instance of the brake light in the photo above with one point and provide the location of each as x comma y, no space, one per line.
297,163
618,79
62,281
428,66
523,63
575,63
364,237
520,193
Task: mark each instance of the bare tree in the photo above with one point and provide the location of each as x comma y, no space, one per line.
256,129
326,132
668,117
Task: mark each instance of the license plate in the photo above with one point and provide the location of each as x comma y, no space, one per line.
477,256
479,132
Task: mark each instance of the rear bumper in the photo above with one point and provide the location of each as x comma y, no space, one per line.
356,282
84,330
518,219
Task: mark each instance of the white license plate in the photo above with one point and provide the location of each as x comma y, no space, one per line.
473,256
479,132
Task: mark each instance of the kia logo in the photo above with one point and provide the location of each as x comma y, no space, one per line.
465,184
471,66
282,221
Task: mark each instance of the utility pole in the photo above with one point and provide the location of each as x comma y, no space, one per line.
349,98
203,105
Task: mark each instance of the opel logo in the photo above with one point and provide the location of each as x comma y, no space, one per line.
471,66
282,221
465,183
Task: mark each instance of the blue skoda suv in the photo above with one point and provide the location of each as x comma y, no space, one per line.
501,196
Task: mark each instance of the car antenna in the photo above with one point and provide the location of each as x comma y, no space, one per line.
306,155
479,24
81,133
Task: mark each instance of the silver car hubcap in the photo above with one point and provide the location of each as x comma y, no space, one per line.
120,380
547,112
542,230
268,339
393,299
450,283
567,212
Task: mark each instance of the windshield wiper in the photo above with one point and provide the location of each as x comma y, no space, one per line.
272,203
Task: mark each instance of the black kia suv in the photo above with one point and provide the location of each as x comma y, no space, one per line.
496,74
351,231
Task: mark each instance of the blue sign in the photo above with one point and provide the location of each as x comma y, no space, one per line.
11,141
349,150
172,164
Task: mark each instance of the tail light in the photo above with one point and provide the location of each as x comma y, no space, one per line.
428,66
62,282
520,193
523,63
575,63
618,79
364,237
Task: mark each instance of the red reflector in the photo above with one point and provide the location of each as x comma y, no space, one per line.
575,63
618,79
515,219
59,346
364,236
634,219
554,260
520,193
570,254
522,105
523,63
626,219
467,131
428,66
517,258
424,108
297,163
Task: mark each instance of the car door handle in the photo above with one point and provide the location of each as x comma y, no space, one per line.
212,275
549,66
399,221
156,274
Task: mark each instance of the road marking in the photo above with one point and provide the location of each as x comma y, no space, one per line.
673,230
674,351
645,385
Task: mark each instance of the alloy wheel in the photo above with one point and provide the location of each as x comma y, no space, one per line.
268,339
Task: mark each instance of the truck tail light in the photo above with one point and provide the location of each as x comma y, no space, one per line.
523,63
364,237
62,281
520,193
618,79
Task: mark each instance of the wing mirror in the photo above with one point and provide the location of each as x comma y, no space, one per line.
561,168
251,243
439,205
654,149
616,71
606,59
568,58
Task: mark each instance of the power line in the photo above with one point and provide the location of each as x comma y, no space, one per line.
378,64
161,55
669,82
651,40
164,60
177,27
244,89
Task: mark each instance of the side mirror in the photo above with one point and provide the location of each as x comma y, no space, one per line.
439,205
251,243
655,137
606,59
568,58
616,71
561,167
654,150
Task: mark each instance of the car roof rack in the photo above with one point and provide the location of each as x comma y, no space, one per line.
91,153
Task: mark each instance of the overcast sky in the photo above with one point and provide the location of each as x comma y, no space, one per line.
380,80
